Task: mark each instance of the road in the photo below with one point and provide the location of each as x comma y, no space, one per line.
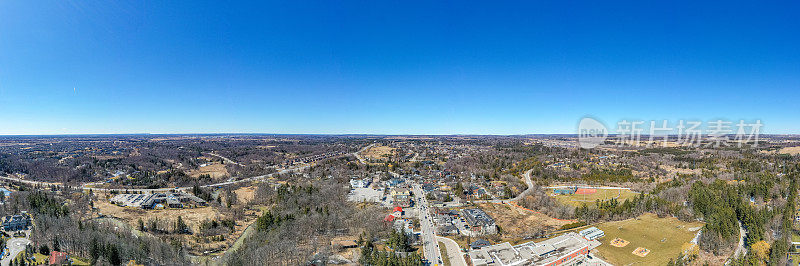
15,246
453,251
740,249
358,154
430,247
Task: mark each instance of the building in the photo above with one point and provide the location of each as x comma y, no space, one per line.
359,183
479,222
566,249
16,222
592,233
58,258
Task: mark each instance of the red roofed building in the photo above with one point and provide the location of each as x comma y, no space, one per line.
57,258
398,209
388,218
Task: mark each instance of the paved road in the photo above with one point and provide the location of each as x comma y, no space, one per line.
430,246
15,246
453,251
88,186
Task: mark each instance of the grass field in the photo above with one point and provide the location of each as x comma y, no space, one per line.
601,194
646,231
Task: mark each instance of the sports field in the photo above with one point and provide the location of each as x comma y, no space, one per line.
664,238
601,194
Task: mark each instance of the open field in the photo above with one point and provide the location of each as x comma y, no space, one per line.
601,194
516,222
378,152
665,238
245,194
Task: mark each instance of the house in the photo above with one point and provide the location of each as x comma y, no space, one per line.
16,222
57,258
592,233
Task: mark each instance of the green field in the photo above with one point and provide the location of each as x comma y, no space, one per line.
601,194
646,231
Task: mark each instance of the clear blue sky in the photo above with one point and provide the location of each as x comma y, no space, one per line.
399,67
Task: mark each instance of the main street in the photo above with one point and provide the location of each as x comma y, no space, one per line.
430,246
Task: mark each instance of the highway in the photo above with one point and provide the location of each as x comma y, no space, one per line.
430,246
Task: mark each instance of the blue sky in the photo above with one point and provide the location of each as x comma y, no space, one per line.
401,67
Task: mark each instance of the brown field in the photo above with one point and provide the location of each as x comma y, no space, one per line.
675,170
664,238
378,152
790,150
215,170
516,222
